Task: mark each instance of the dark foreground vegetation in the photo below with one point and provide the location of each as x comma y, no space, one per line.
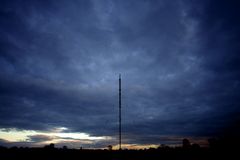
216,150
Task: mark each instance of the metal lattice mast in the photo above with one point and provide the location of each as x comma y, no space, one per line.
120,114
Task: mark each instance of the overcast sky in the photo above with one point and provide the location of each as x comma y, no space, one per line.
179,60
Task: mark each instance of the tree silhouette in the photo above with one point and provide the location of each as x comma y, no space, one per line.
109,147
186,143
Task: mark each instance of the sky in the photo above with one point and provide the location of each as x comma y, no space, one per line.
60,61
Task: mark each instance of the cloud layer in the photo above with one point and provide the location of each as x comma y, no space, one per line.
179,62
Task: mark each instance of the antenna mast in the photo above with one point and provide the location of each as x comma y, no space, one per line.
120,114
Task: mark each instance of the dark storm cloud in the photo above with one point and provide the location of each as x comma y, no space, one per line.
28,102
219,36
39,138
179,62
